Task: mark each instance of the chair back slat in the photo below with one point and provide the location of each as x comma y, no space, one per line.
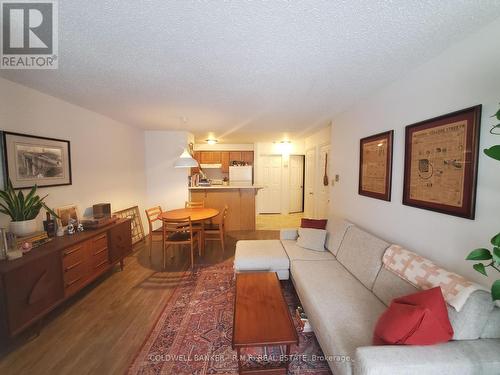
152,216
178,225
193,204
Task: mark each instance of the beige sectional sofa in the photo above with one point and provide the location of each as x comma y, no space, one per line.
344,291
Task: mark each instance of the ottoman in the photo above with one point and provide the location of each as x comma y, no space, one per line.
262,255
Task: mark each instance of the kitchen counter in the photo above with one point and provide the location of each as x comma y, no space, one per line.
240,200
220,187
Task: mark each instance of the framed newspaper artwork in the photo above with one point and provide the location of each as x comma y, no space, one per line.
375,166
441,157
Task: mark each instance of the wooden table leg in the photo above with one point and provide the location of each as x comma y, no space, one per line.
203,236
238,354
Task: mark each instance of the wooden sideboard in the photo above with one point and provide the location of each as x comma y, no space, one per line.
35,284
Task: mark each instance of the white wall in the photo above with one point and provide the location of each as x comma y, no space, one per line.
107,157
166,185
465,75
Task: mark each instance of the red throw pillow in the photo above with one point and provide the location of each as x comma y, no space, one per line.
416,319
313,223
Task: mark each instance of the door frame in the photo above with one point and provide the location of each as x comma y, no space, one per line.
303,157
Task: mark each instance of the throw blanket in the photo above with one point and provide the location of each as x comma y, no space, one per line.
424,274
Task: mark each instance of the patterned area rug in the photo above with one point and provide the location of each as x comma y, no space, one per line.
193,333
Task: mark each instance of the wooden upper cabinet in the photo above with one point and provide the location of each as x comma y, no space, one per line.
225,161
234,156
211,157
247,157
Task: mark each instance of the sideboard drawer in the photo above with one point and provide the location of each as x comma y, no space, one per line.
99,244
73,255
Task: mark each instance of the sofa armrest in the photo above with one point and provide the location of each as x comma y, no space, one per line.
289,234
454,357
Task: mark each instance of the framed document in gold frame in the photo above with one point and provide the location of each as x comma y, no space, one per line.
375,166
441,157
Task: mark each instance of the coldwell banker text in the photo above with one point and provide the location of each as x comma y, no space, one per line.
29,34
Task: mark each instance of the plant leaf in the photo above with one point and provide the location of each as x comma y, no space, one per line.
496,254
479,267
493,152
497,115
479,254
495,241
495,290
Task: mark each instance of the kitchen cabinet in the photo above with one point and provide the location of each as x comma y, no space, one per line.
210,157
247,157
234,156
225,161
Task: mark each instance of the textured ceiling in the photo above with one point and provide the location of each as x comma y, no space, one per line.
243,70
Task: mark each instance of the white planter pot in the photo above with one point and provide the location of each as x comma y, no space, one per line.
23,228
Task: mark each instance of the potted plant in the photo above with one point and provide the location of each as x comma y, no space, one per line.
491,257
22,209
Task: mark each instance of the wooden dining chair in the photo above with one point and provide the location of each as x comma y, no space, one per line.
152,215
193,204
217,231
180,232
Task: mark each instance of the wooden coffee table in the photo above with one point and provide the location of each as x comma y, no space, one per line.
261,317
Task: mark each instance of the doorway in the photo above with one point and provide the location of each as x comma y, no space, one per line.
272,176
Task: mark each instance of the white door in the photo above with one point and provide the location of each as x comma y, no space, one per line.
296,183
323,199
309,183
270,195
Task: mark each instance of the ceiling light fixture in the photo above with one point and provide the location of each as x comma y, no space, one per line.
211,141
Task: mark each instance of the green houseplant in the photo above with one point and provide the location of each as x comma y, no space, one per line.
491,257
22,209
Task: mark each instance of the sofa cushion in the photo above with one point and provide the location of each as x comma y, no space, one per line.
336,228
312,239
417,319
468,357
295,252
260,255
313,223
361,253
467,324
492,328
388,286
340,309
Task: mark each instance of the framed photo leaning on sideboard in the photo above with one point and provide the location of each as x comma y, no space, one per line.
31,160
441,158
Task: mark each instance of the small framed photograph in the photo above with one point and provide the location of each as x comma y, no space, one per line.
67,213
32,160
375,166
441,157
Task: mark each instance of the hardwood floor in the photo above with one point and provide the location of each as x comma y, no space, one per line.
100,330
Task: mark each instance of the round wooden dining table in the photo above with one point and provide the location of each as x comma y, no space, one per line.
196,214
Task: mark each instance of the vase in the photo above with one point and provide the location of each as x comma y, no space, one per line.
23,228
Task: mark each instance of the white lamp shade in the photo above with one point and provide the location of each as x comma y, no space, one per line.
185,161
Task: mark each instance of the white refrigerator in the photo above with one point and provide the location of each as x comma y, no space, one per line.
241,175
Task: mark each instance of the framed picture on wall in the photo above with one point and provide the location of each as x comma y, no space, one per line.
441,157
32,160
375,165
